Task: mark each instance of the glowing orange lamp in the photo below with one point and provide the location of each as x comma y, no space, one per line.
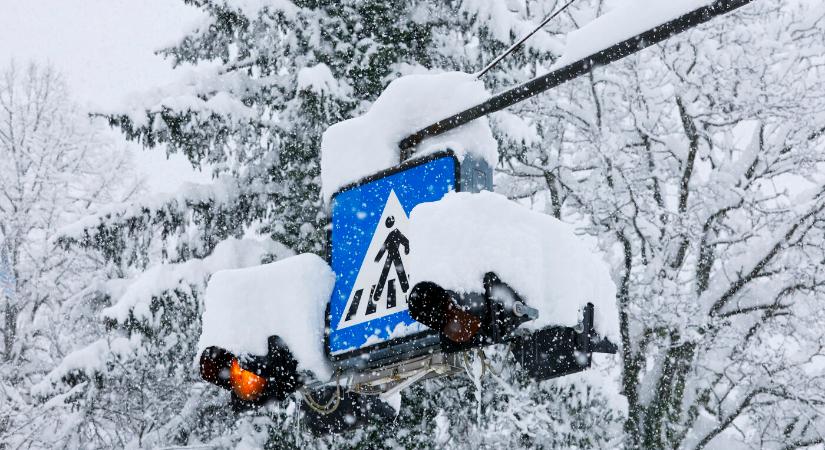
245,384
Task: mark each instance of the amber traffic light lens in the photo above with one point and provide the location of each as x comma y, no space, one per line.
432,306
245,384
460,326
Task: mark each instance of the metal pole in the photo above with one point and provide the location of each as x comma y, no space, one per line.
571,71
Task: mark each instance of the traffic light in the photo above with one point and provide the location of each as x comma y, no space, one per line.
471,319
557,351
440,310
253,379
467,321
257,380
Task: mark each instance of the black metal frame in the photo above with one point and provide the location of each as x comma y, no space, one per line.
406,165
573,70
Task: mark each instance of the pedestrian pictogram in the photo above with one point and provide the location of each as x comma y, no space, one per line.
392,247
382,284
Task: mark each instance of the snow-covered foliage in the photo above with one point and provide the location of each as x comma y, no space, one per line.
154,316
55,167
141,303
135,295
695,166
464,236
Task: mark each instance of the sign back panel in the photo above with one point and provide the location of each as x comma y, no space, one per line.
368,243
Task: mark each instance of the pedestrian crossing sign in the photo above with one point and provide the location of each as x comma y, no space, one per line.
368,247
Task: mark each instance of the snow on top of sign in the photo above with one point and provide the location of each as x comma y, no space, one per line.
627,19
356,148
287,298
460,238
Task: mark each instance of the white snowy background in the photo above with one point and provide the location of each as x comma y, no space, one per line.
694,169
105,51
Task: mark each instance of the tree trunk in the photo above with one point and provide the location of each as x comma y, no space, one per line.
9,329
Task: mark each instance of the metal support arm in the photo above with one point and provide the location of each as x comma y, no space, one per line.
572,71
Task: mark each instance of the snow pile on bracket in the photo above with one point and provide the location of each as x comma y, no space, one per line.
356,148
459,239
287,298
626,20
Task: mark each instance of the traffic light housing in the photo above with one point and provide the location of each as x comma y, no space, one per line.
254,380
346,410
259,379
553,352
471,319
467,321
